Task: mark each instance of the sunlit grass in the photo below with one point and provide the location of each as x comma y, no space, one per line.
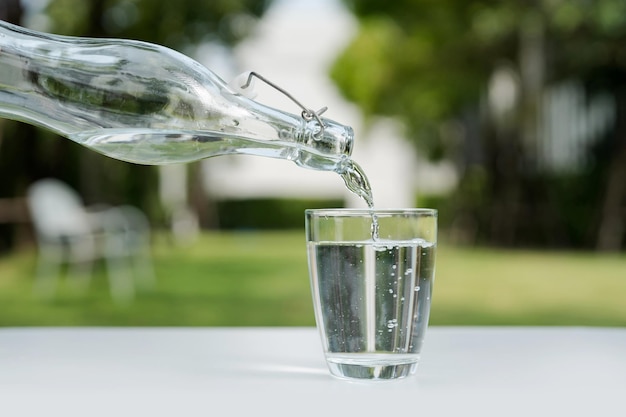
523,287
261,279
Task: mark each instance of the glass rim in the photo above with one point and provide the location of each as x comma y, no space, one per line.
358,212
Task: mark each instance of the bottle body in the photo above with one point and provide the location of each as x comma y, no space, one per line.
148,104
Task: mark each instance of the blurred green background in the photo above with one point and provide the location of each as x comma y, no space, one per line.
526,100
261,279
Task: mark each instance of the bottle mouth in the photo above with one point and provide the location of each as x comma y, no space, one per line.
338,139
349,141
334,140
329,152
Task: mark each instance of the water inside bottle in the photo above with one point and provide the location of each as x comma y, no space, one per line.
157,146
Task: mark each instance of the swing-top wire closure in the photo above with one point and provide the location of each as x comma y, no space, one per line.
307,114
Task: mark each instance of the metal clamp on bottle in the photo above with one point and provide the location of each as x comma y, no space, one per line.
307,114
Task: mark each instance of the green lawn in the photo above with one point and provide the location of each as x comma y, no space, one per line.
261,279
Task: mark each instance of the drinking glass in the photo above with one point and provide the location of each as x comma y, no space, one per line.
372,274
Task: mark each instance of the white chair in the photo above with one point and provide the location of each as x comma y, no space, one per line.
70,234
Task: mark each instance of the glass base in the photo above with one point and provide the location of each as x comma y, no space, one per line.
342,367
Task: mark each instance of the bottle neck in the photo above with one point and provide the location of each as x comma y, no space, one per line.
294,137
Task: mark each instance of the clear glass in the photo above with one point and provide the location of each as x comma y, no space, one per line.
372,296
148,104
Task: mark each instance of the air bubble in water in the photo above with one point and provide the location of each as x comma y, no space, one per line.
417,288
408,271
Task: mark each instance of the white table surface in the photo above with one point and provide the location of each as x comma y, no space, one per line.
475,371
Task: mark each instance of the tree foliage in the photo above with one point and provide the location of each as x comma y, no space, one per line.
430,62
425,60
172,23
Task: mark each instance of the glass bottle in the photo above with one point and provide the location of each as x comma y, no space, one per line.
148,104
